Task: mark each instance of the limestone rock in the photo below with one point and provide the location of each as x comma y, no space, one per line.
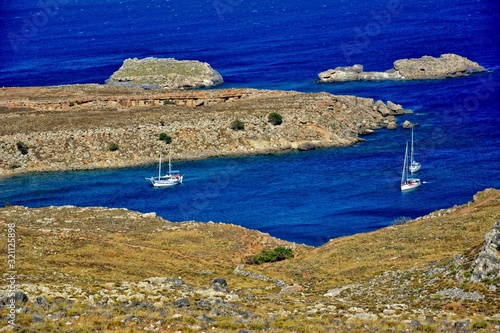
407,124
447,65
166,73
392,125
355,73
424,68
487,264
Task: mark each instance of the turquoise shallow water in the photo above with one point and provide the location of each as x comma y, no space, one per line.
307,197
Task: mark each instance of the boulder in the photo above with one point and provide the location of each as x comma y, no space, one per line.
407,124
165,73
487,264
392,125
219,284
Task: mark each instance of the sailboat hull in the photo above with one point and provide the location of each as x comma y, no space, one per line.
410,184
414,167
172,178
165,181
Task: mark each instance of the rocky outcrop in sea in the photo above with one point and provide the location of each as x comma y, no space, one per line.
424,68
168,73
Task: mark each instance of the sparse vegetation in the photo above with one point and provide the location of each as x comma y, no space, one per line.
22,147
275,118
113,147
165,138
237,125
125,266
278,254
401,220
15,165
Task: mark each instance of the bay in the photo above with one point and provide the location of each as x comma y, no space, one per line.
306,197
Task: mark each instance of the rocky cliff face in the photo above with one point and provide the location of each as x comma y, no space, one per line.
63,131
487,265
424,68
165,73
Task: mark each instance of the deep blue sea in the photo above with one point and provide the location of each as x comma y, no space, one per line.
306,197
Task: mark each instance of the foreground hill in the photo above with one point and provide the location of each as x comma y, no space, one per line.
115,270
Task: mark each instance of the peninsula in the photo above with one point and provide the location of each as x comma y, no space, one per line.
424,68
105,126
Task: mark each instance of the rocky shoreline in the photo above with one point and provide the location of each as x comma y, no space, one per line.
73,127
424,68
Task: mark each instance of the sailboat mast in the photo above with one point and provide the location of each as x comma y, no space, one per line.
403,174
411,158
169,165
159,169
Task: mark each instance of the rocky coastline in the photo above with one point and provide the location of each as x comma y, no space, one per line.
72,127
424,68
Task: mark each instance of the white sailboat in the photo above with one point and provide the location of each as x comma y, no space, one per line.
406,182
170,179
414,166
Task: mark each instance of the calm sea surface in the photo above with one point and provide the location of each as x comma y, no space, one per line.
306,197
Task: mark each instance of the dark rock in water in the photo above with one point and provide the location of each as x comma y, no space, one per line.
219,284
424,68
167,73
306,146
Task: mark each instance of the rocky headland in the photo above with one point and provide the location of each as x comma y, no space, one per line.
115,270
75,126
165,73
424,68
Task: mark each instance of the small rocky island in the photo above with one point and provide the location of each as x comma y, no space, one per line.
424,68
166,73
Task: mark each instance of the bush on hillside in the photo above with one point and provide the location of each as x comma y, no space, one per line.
237,125
278,254
275,118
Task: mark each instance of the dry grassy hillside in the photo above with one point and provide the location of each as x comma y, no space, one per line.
114,270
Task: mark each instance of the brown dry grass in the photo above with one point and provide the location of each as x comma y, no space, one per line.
90,248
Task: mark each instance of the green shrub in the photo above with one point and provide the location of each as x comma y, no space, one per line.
237,125
113,146
480,324
278,254
165,137
275,118
22,147
168,102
